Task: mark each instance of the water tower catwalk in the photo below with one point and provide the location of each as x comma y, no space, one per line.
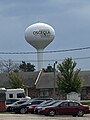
39,35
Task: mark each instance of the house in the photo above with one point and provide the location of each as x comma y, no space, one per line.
28,79
41,84
85,93
45,85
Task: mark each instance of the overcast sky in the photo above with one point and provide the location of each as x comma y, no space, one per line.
69,18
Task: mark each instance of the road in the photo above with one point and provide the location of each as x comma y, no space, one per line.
40,117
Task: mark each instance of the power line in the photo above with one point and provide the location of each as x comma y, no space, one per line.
53,51
78,58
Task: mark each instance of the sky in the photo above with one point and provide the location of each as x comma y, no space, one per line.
69,18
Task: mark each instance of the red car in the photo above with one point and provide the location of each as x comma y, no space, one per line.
66,107
31,107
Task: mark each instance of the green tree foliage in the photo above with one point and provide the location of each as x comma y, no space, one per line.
15,80
49,68
27,67
69,79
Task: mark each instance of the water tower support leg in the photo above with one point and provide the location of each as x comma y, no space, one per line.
40,59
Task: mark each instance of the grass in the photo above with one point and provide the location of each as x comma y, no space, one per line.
85,102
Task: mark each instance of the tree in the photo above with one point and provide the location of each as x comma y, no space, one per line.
30,67
23,66
27,67
8,66
15,80
69,79
49,68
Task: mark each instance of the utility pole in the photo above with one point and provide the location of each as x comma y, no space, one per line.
54,79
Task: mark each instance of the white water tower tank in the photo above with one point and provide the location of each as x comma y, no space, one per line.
39,35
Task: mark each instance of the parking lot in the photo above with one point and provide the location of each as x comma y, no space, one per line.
40,117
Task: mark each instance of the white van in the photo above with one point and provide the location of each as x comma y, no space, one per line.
18,93
13,95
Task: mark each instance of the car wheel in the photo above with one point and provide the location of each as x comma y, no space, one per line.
80,113
52,112
9,109
74,115
23,110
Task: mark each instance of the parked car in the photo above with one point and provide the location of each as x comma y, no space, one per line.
10,101
43,104
66,107
32,107
22,108
43,98
9,107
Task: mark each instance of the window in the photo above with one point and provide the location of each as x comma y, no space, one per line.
34,102
20,95
44,92
20,102
41,93
64,104
72,104
76,104
10,95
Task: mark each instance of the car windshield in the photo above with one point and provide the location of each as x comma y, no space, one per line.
19,102
52,103
22,103
56,103
32,101
11,101
45,103
28,101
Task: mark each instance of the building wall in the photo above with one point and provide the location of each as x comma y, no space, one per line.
85,93
43,93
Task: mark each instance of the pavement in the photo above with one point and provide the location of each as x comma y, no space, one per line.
40,117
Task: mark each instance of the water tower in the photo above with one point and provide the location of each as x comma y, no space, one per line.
39,35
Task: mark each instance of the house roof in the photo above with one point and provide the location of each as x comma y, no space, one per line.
28,79
46,79
86,78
